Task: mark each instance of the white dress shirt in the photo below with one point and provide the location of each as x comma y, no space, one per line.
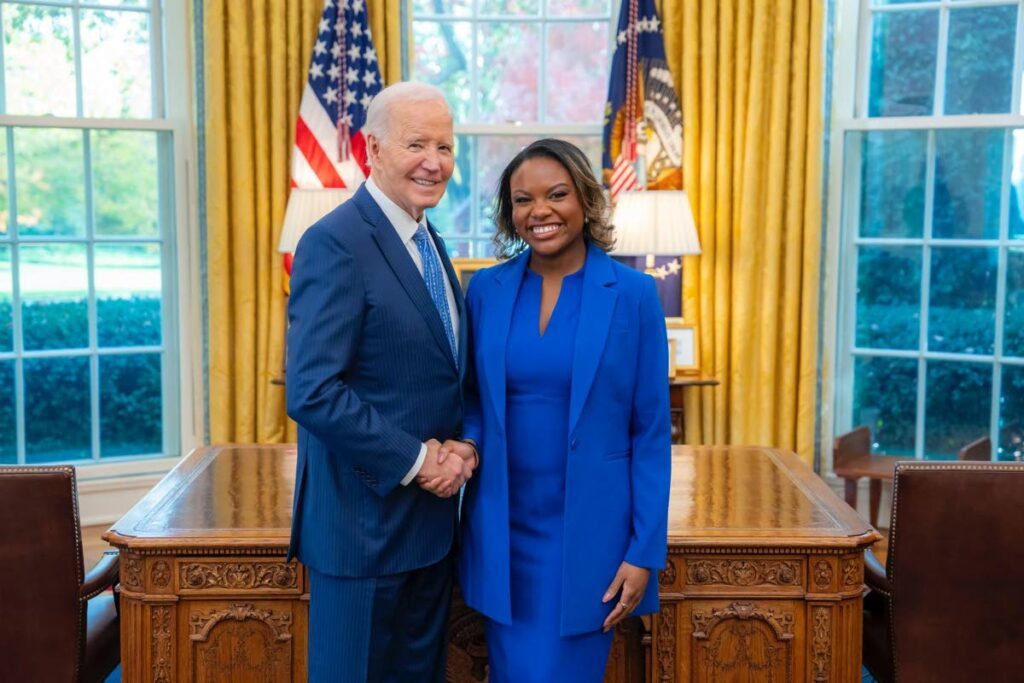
406,227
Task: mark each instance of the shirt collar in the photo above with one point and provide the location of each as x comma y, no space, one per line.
404,224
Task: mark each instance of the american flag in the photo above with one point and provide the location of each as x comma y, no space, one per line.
343,77
641,96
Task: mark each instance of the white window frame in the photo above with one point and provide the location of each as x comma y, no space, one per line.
850,78
122,479
473,128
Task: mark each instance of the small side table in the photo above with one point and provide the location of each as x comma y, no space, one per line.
676,392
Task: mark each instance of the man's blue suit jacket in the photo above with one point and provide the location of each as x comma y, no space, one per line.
369,378
619,443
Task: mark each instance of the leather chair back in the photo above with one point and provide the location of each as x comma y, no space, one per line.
853,444
956,566
42,619
979,450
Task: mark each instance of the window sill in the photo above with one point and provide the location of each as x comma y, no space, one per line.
107,490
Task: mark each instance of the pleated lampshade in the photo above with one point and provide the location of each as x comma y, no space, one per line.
306,207
655,223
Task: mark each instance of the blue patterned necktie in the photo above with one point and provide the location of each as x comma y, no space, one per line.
433,276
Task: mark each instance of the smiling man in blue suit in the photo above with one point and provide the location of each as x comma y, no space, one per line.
376,358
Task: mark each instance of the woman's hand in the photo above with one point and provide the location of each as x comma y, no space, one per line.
632,581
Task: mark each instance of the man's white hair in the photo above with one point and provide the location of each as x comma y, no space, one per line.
378,117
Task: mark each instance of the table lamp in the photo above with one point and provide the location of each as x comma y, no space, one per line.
654,223
306,207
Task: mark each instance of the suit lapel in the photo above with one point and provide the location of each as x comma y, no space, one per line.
596,308
403,267
501,304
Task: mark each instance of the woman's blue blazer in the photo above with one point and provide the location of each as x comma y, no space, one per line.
619,442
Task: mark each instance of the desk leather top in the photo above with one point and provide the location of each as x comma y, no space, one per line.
748,495
240,496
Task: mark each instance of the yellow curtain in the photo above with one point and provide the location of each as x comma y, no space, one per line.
749,73
255,57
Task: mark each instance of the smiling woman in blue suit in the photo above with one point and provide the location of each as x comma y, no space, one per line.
567,518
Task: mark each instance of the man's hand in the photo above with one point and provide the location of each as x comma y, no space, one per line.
632,581
464,449
442,476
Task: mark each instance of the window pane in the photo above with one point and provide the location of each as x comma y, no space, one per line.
130,405
577,59
578,8
1011,414
8,416
442,54
888,297
54,290
509,7
1013,320
460,248
884,398
460,8
968,166
903,49
453,215
979,61
495,153
116,64
128,295
591,146
1017,187
892,182
958,406
57,417
961,315
5,217
39,62
125,184
50,181
509,72
6,303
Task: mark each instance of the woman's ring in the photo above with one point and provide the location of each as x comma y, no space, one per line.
623,605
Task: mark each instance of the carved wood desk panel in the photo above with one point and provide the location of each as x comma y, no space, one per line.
763,583
205,592
765,574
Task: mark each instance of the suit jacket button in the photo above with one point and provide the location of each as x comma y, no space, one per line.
572,444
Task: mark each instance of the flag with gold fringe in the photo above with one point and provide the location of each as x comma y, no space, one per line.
343,76
643,122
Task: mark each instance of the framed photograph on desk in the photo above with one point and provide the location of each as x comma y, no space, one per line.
465,267
682,340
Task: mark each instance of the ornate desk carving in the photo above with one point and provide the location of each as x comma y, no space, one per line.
763,582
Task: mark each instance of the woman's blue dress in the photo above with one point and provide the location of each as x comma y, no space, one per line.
538,381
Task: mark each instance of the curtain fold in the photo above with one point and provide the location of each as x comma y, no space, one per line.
750,76
255,57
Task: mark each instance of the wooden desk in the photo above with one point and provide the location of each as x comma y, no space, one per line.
765,573
677,395
764,578
205,592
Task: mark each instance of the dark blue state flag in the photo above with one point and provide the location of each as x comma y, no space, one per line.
643,121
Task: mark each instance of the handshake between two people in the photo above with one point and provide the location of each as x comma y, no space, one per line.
447,467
